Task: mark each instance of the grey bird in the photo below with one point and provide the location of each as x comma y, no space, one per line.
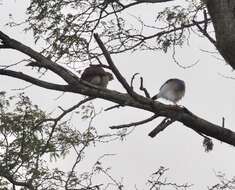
96,75
172,90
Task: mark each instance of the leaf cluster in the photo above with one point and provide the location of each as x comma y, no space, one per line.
28,138
68,27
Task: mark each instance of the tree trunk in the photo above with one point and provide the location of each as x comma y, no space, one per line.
222,13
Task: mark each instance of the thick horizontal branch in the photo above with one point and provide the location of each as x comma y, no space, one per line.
172,112
32,80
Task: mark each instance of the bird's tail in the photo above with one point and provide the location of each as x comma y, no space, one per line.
155,97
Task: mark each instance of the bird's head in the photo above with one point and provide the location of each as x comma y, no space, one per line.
109,75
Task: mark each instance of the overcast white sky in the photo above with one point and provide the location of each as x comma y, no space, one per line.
208,95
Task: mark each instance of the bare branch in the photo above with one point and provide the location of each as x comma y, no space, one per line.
143,88
133,78
152,1
113,107
164,124
143,1
32,80
204,32
135,123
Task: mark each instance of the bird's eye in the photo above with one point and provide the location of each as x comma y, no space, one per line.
111,77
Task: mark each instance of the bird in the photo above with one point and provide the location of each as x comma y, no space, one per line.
96,75
172,90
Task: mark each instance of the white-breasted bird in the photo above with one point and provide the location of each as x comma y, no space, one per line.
96,75
172,90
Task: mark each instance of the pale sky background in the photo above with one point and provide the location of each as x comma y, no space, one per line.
208,94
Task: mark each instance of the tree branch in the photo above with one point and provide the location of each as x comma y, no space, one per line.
205,33
143,1
65,74
143,88
152,1
137,101
32,80
173,112
164,124
119,76
4,173
135,123
57,119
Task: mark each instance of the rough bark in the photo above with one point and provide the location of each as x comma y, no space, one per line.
222,13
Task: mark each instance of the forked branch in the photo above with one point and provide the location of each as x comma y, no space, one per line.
109,60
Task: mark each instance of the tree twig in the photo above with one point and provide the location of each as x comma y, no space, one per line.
135,123
164,124
113,107
143,88
204,32
133,78
57,119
